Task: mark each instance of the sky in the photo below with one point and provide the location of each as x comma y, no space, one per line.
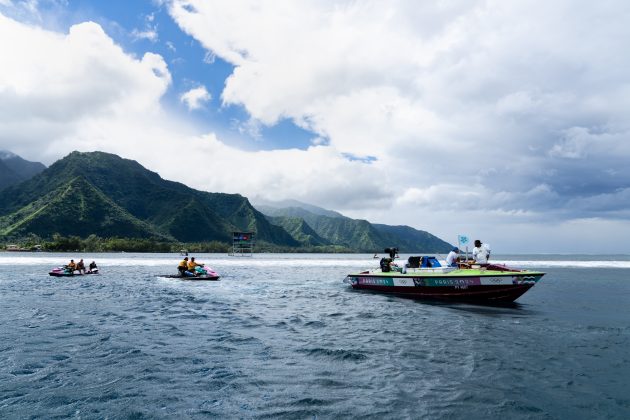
502,121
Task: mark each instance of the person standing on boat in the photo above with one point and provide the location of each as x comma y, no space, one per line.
452,258
183,266
481,252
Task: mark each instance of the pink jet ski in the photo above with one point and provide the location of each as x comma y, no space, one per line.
200,273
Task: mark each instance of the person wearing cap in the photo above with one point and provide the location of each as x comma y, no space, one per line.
452,257
481,252
182,267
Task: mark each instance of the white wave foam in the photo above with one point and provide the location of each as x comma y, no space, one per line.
566,264
273,261
227,262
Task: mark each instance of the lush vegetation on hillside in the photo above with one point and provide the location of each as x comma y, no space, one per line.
14,169
359,235
93,243
101,202
109,196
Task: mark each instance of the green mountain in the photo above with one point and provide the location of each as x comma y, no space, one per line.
24,168
14,169
76,208
8,176
359,234
300,231
408,238
268,207
165,208
102,194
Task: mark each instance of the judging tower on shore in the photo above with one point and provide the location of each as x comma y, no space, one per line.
242,244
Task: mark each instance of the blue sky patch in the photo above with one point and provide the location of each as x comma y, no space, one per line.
143,26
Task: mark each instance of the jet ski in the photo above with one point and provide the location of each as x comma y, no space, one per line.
66,272
200,273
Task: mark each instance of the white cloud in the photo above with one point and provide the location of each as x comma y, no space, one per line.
195,98
484,116
485,107
25,9
251,128
80,91
51,84
209,58
148,34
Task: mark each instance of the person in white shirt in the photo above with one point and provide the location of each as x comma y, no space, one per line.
481,252
452,257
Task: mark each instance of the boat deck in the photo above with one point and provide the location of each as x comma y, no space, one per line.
448,272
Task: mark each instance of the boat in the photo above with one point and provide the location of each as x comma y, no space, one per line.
201,273
423,277
189,278
66,272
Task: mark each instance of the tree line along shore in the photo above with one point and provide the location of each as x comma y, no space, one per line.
94,243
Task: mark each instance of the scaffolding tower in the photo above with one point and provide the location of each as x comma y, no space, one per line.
242,244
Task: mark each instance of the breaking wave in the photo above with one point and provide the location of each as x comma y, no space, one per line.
355,261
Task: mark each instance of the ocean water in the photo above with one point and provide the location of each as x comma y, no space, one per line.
281,336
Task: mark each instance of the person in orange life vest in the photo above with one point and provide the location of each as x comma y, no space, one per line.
183,266
192,264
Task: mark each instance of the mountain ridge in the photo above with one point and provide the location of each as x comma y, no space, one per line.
94,214
270,205
98,193
14,169
149,198
361,234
